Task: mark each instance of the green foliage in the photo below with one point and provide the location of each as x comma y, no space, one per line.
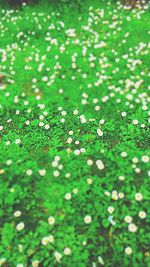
74,135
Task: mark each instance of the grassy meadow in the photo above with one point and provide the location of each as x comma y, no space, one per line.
74,134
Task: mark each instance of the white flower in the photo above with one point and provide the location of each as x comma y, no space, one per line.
84,101
51,220
128,250
47,127
19,265
100,164
83,120
142,214
89,181
45,79
123,114
41,124
121,195
107,193
62,120
67,251
57,158
115,195
17,141
124,154
68,196
100,260
75,190
135,122
99,132
135,160
67,175
138,196
35,263
87,219
145,159
45,113
27,122
45,241
55,163
58,256
77,142
75,112
132,227
97,108
61,91
29,172
90,162
101,121
128,219
121,178
69,140
42,172
110,209
95,100
12,190
9,162
63,113
20,226
82,150
70,132
17,213
56,173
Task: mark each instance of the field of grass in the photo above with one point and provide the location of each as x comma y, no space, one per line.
74,136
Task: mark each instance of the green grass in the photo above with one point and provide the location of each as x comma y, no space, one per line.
41,165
